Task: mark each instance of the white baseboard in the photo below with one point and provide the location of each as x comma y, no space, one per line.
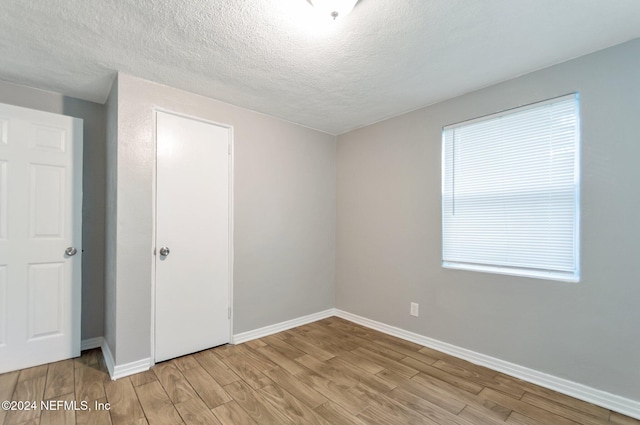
88,344
282,326
108,357
120,371
601,398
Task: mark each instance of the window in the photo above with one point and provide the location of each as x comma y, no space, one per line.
510,192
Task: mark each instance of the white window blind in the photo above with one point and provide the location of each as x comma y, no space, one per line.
510,191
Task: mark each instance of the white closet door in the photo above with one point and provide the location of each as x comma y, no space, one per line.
192,236
40,237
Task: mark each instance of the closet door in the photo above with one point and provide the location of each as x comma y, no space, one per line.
192,236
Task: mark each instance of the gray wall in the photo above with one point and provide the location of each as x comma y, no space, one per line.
284,213
93,188
389,233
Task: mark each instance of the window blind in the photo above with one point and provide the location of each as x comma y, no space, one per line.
510,191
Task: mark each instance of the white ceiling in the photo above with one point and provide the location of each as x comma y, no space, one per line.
386,58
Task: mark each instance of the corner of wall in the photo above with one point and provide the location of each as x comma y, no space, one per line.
111,136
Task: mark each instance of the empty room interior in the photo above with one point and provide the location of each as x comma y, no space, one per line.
388,212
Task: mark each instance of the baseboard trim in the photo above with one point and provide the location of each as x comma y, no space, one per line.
601,398
282,326
91,343
120,371
108,358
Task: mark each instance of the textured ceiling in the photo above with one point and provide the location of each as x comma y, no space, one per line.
385,58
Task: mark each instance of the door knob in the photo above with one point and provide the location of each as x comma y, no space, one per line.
164,251
71,251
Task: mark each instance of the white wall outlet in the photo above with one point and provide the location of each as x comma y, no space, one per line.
414,309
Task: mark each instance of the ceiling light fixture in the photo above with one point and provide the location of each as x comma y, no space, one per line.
333,8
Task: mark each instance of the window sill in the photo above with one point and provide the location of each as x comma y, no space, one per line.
537,274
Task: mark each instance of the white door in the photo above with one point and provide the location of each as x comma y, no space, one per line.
192,225
40,237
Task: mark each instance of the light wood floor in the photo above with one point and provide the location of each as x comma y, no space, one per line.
330,372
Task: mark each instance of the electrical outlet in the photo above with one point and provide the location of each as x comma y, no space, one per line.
414,309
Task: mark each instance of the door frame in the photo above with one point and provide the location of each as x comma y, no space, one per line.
154,221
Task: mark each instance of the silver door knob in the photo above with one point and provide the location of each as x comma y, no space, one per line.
71,251
164,251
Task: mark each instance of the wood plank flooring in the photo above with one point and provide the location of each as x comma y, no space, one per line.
329,372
